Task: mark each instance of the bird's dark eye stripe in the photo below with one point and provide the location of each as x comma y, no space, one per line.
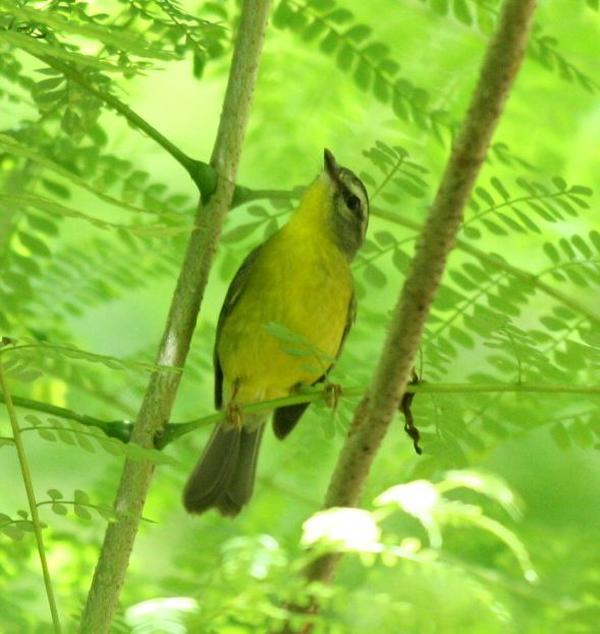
352,201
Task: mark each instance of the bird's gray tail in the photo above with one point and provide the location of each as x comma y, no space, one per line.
224,476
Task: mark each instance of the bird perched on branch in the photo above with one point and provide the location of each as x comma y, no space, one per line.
282,326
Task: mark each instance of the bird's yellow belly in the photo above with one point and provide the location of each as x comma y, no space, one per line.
287,326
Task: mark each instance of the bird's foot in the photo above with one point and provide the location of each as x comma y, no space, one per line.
333,392
233,415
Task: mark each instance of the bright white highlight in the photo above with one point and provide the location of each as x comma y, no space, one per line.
169,354
418,498
163,614
347,529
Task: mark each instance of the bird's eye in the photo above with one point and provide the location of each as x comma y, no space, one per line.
353,202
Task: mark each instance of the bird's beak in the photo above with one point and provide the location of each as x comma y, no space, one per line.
331,166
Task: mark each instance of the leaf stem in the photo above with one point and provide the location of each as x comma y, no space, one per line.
117,429
87,505
28,483
15,522
509,203
389,176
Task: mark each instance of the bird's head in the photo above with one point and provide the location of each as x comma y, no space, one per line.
349,205
336,203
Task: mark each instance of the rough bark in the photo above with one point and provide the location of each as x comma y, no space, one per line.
162,388
373,416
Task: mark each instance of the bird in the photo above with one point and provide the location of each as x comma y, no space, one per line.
283,323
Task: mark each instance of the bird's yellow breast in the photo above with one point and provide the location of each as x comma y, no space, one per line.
299,281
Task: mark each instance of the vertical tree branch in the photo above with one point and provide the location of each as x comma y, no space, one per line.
162,387
373,416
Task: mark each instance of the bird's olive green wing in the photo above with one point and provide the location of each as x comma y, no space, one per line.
285,418
234,292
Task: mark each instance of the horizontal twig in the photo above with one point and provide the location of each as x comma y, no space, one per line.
120,429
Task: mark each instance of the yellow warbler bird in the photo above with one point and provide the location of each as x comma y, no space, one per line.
283,323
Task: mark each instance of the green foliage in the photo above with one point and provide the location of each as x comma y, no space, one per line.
80,505
355,52
16,528
358,531
482,303
483,15
88,438
94,217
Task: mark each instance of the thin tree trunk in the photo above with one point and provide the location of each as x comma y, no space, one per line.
162,388
378,408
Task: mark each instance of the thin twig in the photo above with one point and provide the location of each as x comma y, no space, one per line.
203,174
200,172
33,507
120,429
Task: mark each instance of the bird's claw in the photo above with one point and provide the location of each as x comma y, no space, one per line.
233,414
333,392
